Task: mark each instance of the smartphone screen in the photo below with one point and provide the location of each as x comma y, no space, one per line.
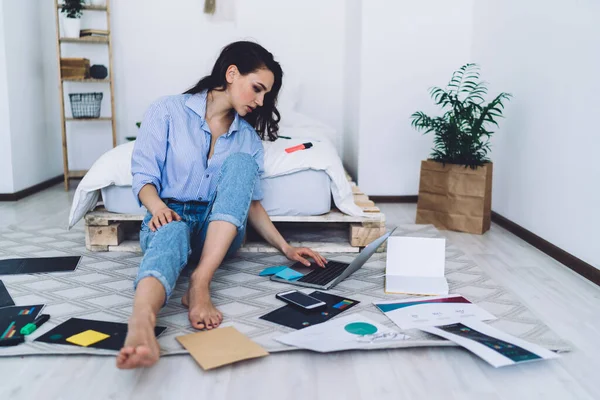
301,298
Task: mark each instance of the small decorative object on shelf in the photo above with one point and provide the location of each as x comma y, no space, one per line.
74,68
86,105
93,32
98,72
71,22
210,6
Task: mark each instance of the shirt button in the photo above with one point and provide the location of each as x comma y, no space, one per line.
207,175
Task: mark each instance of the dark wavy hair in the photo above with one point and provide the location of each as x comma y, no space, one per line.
248,57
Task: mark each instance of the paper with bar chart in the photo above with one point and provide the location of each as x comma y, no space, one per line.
497,348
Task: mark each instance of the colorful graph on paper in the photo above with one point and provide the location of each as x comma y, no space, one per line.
9,332
439,310
13,318
27,311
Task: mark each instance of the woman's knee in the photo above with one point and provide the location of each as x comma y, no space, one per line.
238,171
240,162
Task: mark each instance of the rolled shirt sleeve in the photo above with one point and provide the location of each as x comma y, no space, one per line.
150,149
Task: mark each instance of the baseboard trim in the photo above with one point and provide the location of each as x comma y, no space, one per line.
394,199
569,260
576,264
31,190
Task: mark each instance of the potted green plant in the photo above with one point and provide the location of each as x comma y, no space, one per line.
455,187
72,10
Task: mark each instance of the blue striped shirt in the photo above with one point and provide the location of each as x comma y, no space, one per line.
171,150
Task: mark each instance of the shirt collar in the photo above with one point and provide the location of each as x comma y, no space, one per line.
197,103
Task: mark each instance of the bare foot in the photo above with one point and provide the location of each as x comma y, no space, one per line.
141,348
202,313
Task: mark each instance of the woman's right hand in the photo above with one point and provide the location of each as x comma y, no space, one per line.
161,217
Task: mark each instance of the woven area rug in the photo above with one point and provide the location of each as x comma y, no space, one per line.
101,289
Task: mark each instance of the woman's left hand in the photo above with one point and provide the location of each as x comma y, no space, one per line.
297,253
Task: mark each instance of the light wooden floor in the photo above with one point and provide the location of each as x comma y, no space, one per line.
569,304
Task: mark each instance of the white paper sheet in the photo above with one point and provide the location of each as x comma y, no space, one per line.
416,266
496,347
430,311
344,333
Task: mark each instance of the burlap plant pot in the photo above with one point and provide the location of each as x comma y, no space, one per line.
455,197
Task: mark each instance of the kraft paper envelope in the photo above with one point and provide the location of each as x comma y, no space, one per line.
222,346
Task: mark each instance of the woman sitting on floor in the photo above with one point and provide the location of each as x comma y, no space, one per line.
196,168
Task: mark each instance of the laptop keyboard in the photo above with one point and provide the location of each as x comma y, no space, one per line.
322,276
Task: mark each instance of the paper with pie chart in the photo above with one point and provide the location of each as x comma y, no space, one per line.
352,332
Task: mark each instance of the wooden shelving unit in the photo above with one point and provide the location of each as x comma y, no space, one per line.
94,40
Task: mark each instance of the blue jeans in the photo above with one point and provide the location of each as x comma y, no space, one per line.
166,251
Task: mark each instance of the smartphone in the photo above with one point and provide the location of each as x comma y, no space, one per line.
299,299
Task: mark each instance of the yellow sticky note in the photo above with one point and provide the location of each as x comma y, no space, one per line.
87,338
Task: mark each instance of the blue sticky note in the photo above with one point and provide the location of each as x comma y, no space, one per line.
289,274
272,270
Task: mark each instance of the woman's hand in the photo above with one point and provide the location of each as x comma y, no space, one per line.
296,253
161,217
262,223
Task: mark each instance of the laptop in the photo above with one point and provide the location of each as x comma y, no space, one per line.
334,271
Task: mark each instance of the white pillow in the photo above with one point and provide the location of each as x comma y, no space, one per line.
112,168
296,125
289,96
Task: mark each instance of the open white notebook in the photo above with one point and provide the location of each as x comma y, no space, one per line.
416,266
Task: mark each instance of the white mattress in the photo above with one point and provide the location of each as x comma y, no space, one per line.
305,192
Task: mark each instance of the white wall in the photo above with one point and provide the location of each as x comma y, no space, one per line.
546,168
30,151
51,133
31,159
352,86
407,47
6,170
161,49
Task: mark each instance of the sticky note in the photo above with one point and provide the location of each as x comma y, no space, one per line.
272,270
87,338
222,346
289,274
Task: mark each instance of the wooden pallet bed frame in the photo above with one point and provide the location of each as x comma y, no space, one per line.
107,231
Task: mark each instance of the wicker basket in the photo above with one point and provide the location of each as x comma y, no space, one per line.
86,105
